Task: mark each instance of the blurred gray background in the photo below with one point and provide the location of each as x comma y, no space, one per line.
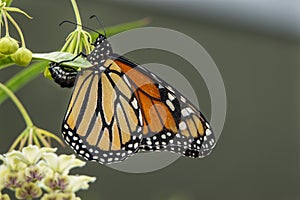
256,46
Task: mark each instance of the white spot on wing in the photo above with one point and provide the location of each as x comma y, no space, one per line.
208,132
170,88
182,99
182,126
189,110
170,104
170,96
140,116
207,125
134,104
185,112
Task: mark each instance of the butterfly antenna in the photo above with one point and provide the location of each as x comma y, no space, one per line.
70,22
95,16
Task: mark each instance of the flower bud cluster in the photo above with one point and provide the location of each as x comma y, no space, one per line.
10,47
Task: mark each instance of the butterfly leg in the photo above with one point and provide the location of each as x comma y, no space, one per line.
80,54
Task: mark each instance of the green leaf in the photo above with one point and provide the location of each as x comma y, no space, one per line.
62,56
22,78
113,30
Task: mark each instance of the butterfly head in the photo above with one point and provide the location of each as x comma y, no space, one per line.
101,51
101,38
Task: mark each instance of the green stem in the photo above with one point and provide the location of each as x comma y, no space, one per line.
23,77
77,14
17,27
44,141
18,104
23,141
86,43
1,11
79,27
77,43
72,45
36,141
5,22
50,135
18,140
68,41
29,141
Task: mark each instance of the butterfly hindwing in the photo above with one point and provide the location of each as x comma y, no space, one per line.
170,121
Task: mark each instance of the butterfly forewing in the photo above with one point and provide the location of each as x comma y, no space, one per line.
101,124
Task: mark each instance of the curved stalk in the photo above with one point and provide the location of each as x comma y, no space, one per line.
19,139
18,104
17,27
68,41
5,22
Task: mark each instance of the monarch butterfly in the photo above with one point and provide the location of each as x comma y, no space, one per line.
119,108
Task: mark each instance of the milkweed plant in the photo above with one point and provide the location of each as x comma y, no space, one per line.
31,169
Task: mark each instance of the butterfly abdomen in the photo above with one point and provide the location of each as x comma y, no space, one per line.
63,75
